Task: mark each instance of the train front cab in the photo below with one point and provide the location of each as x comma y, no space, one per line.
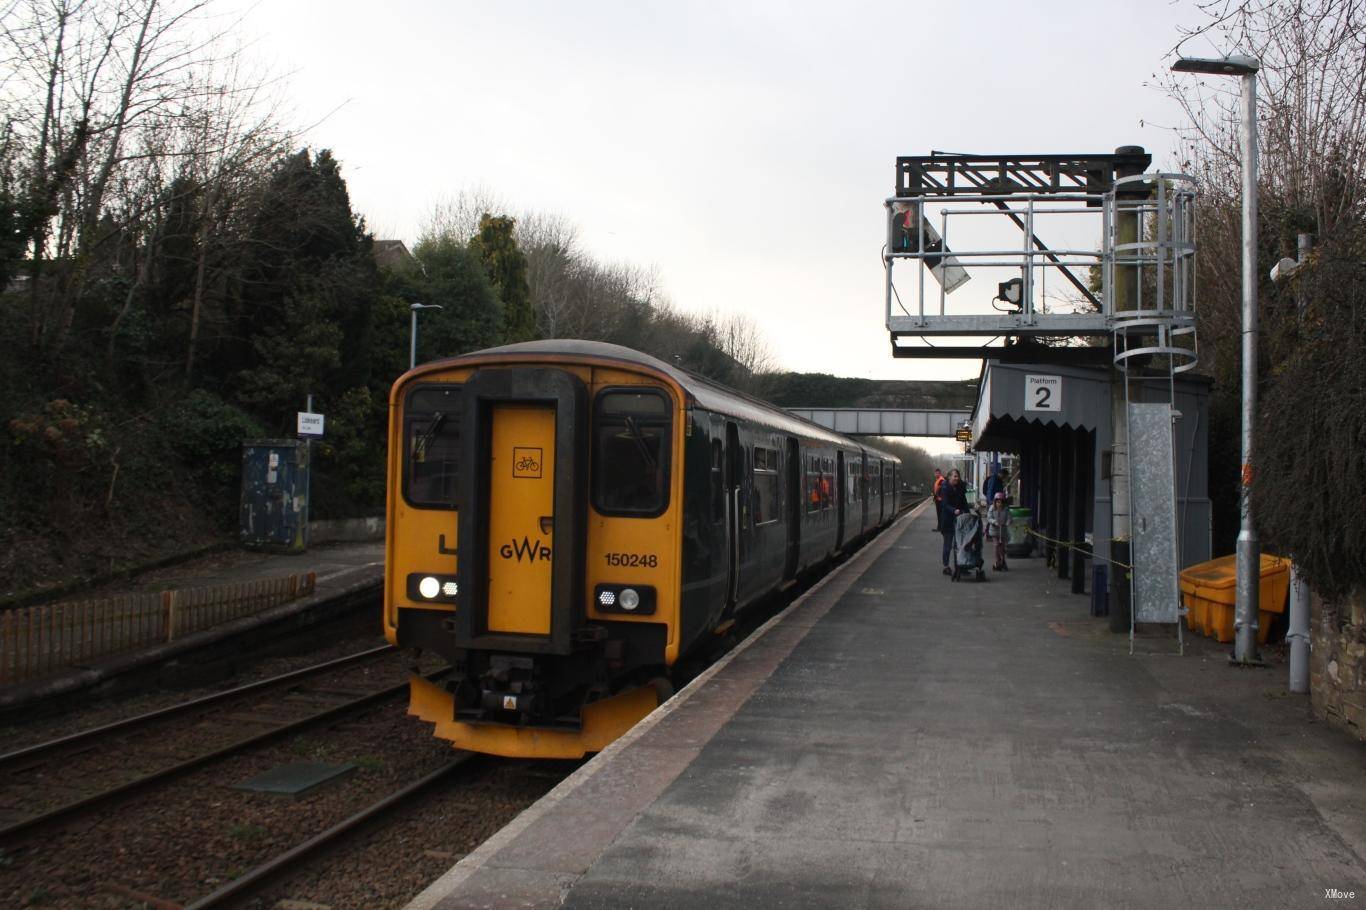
532,514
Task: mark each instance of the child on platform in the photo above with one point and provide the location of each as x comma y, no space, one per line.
999,519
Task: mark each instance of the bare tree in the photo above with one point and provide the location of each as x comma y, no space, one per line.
457,217
741,339
96,89
1311,104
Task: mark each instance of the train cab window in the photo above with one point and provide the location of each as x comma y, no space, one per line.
631,453
431,432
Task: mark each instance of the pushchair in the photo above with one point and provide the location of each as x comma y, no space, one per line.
967,547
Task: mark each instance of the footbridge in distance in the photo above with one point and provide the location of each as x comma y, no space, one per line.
887,421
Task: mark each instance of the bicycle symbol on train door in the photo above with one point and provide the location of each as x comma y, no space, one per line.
526,462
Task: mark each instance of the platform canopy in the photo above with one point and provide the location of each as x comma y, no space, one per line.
1012,396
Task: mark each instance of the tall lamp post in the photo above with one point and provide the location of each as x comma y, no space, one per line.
412,336
1249,548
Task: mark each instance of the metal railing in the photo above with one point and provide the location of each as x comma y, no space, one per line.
42,640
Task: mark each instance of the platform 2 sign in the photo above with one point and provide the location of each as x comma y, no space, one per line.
310,424
1043,393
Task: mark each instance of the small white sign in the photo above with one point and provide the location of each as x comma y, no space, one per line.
1043,393
310,424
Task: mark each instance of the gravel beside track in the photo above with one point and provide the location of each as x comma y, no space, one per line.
100,712
391,861
181,840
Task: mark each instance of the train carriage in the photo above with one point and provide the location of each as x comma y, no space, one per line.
571,522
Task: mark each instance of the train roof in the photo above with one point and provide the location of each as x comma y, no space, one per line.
705,392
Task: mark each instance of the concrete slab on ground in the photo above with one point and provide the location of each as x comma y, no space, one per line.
295,778
897,740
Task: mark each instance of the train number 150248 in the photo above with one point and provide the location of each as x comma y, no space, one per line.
633,560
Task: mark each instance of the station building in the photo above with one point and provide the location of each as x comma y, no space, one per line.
1057,420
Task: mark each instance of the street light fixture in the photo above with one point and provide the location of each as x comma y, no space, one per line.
1232,65
412,336
1249,548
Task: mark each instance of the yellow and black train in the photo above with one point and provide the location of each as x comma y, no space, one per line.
570,522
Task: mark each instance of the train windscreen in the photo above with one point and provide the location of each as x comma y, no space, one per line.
631,453
432,437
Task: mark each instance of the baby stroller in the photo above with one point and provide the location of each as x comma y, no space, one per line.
967,547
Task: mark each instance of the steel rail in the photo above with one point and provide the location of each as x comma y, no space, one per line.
256,877
86,803
131,723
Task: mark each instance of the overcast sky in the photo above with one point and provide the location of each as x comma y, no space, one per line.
743,149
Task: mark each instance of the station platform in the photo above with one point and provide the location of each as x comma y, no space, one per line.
894,739
344,574
335,566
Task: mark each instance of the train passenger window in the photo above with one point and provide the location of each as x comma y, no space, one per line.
631,452
767,491
818,484
431,434
810,484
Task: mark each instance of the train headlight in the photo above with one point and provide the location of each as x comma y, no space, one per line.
636,600
431,588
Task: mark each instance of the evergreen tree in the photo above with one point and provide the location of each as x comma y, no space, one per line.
471,315
309,284
495,245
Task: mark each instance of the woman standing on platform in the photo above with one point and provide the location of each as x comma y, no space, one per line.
953,502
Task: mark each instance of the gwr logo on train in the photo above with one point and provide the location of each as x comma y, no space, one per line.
526,462
526,549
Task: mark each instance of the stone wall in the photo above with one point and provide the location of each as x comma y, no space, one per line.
346,530
1337,665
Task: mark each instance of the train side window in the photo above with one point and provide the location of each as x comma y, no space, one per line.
718,482
766,487
810,484
631,453
431,434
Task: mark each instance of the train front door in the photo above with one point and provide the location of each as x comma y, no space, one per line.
521,476
523,511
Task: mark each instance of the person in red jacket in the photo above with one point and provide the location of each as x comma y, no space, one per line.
937,496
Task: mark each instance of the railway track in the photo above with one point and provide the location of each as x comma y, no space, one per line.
255,878
67,777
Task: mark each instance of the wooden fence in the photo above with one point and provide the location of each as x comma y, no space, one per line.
44,639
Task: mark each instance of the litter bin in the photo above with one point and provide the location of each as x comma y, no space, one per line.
274,510
1019,542
1209,592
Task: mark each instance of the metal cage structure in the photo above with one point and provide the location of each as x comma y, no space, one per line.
1134,285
